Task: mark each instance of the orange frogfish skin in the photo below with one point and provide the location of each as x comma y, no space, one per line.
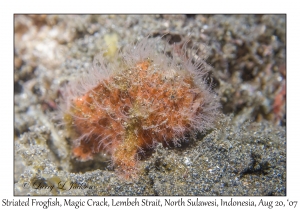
150,100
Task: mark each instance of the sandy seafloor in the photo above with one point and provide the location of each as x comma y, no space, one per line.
245,154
